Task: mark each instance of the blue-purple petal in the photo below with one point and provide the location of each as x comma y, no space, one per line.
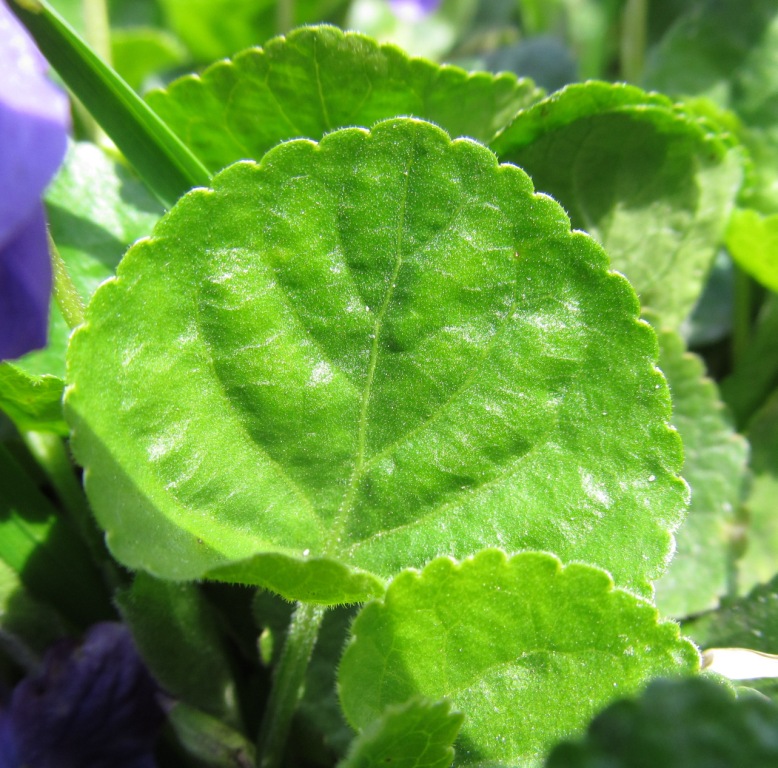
413,10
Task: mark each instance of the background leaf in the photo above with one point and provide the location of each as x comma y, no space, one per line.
678,724
654,186
316,80
402,347
715,468
496,636
752,240
417,734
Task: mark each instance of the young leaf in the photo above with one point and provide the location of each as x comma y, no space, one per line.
417,734
715,468
526,649
317,79
407,354
758,564
32,402
693,723
749,622
654,186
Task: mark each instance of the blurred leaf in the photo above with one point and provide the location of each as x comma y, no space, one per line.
178,637
327,79
711,319
756,373
752,240
715,468
545,60
32,402
143,51
693,723
654,186
527,649
759,562
417,734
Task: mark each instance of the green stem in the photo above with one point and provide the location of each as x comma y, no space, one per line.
97,28
50,453
65,293
743,315
288,684
633,39
284,16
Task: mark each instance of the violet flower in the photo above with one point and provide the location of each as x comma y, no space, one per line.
92,705
413,10
34,120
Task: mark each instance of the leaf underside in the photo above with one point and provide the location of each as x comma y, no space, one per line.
362,354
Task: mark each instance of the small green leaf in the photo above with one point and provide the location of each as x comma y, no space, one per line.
758,564
404,350
749,622
32,402
140,52
693,723
157,155
752,240
715,468
315,80
417,734
526,649
177,633
654,186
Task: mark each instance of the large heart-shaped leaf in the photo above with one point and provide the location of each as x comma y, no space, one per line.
652,184
362,354
525,649
317,79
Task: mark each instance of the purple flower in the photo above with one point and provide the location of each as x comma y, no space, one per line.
92,705
413,10
34,120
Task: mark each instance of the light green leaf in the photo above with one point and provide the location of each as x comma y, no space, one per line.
177,633
32,402
759,563
362,354
526,649
693,723
654,186
316,80
417,734
749,622
725,50
141,52
715,468
752,240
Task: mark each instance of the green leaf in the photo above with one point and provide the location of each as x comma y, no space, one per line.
140,52
157,155
526,649
693,723
215,29
715,468
758,564
177,633
752,240
403,348
32,402
40,545
724,50
749,622
417,734
316,80
654,186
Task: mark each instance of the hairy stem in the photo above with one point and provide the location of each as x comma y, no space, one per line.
288,684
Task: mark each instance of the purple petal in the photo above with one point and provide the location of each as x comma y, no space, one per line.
91,706
25,288
34,121
413,10
9,756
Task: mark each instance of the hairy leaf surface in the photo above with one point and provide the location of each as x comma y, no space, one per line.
360,355
318,79
715,468
526,649
654,186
